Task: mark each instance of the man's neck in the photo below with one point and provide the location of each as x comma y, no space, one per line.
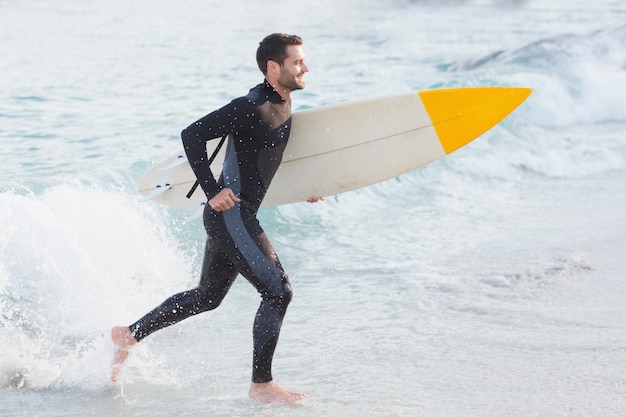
284,93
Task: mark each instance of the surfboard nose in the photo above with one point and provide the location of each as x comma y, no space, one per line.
459,115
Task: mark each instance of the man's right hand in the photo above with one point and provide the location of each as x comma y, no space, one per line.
224,200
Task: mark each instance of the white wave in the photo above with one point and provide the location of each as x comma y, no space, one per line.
576,78
74,261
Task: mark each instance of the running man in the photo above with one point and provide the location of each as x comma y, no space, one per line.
257,126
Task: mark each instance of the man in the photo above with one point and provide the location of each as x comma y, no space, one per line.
258,127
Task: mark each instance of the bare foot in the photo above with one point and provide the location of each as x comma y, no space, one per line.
123,341
271,392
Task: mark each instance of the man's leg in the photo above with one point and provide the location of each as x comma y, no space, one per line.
218,274
257,262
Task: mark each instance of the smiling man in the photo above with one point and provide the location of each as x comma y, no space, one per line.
257,127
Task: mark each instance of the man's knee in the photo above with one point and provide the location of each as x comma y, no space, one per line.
287,293
281,296
207,300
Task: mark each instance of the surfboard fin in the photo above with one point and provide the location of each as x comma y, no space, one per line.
158,190
180,159
196,213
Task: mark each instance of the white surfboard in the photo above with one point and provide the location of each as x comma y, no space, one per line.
342,147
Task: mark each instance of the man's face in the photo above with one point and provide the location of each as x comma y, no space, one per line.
293,69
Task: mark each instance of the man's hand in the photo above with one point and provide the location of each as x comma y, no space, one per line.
314,199
224,200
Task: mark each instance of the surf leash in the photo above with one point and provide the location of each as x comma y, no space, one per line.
211,159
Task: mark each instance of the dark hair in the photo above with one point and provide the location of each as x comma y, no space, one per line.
274,48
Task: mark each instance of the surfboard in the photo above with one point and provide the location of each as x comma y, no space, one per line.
342,147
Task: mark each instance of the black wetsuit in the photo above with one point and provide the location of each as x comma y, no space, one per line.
258,127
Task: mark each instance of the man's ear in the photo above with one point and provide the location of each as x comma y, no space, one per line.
273,67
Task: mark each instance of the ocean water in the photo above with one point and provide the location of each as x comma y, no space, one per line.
489,283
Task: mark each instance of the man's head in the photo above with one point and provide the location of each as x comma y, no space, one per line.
281,59
274,48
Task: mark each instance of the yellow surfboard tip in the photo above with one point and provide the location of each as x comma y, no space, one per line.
460,115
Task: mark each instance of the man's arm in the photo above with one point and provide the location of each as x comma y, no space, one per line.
224,121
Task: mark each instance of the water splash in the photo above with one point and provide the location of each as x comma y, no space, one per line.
74,261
